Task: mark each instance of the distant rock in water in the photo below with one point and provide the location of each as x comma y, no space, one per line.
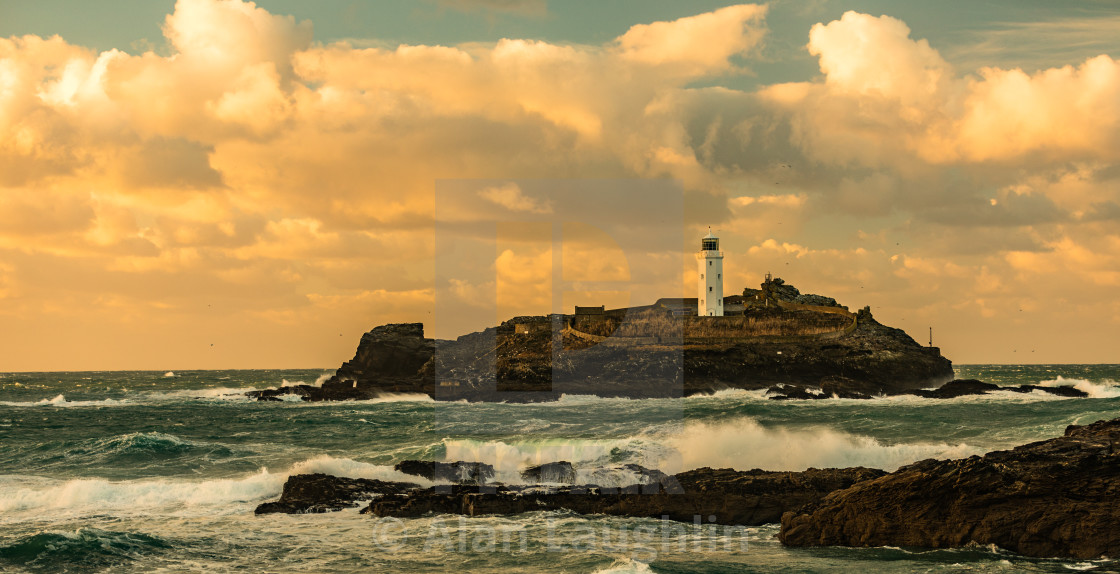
1054,498
950,390
315,493
789,338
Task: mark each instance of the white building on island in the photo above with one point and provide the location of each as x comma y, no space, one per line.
709,302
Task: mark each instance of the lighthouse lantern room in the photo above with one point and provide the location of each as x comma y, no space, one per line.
710,260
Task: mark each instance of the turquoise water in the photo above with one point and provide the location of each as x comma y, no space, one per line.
143,471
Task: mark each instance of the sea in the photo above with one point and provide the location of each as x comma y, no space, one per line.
143,471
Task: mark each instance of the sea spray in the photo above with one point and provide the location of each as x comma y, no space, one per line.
738,443
1106,389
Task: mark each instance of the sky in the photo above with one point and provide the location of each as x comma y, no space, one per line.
224,184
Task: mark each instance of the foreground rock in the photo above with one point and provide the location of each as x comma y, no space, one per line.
952,389
313,493
1055,498
722,496
458,472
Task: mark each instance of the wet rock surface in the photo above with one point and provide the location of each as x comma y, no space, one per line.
722,496
952,389
458,472
315,493
1054,498
556,472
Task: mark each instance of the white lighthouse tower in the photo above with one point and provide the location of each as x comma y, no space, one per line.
710,259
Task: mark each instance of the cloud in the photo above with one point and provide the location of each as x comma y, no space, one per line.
511,197
695,44
252,166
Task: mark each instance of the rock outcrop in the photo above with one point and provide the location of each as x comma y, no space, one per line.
952,389
1054,498
458,472
722,496
555,472
314,493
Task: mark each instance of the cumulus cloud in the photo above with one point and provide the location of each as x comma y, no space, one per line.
254,168
511,197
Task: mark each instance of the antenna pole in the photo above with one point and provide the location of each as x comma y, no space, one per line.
931,336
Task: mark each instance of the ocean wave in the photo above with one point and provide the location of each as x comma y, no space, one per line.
214,393
104,496
147,442
318,381
90,547
1096,390
625,566
182,496
400,398
725,394
346,467
60,401
740,443
745,444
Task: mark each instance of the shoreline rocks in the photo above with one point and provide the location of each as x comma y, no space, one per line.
1053,498
720,496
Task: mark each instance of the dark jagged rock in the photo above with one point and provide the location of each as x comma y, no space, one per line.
556,472
1054,498
846,388
314,493
956,388
457,472
1061,390
792,392
731,497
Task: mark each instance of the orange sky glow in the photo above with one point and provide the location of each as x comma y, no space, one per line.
247,196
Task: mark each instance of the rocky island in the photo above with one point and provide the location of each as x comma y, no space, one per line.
770,336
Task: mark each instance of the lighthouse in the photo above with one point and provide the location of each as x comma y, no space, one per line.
709,303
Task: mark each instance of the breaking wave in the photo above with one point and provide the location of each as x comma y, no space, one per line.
181,496
60,401
625,566
741,444
1096,390
92,548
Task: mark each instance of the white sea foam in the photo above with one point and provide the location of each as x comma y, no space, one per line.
60,401
625,566
215,393
400,398
354,469
1095,390
30,495
105,496
741,444
169,374
745,444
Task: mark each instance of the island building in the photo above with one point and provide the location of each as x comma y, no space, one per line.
709,299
